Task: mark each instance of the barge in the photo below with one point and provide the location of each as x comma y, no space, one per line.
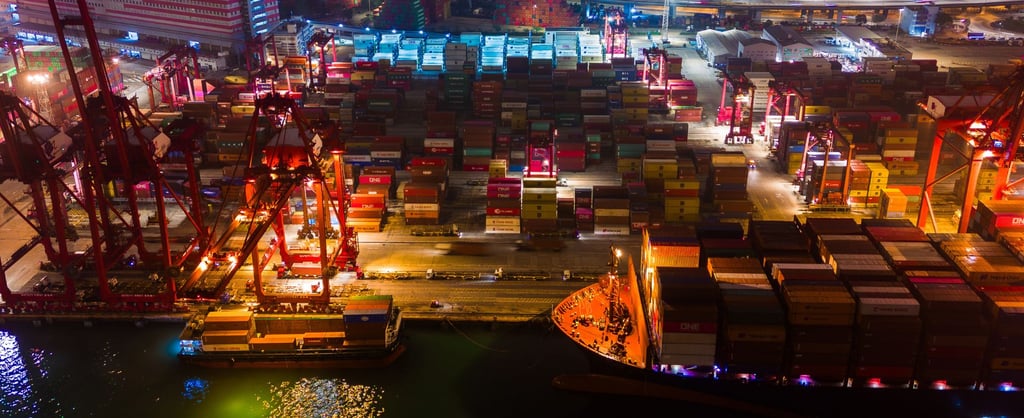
365,334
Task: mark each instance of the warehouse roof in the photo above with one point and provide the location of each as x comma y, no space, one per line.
785,35
723,43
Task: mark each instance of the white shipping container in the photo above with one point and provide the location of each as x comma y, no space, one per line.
611,229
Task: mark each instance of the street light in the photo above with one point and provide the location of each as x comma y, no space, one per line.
41,102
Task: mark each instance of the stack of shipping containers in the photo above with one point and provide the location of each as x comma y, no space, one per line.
753,336
504,197
487,99
426,190
366,319
820,312
897,146
372,181
690,319
440,139
727,186
540,204
611,210
435,53
954,327
477,141
583,202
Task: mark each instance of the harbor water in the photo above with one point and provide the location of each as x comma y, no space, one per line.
449,370
120,370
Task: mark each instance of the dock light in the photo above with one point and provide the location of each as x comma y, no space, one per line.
805,380
233,259
394,31
618,253
1007,387
874,382
940,385
367,28
341,25
421,31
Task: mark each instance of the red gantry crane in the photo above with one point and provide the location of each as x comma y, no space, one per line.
114,154
293,162
738,110
993,134
319,40
175,71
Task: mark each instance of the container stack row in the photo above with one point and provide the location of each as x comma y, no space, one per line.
690,331
504,205
477,142
611,210
540,204
753,336
425,191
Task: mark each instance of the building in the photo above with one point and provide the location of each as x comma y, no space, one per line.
867,44
147,29
289,39
918,20
758,49
718,46
792,46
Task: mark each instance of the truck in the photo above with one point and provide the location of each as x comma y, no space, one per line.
465,248
448,230
540,243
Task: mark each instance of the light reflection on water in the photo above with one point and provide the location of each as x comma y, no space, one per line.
323,397
14,383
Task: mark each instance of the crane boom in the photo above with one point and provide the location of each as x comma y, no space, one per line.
664,21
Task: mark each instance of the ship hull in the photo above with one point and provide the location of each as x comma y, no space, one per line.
340,359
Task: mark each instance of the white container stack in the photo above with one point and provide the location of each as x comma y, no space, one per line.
363,46
410,51
492,53
567,45
590,48
433,54
387,49
454,55
518,46
760,81
542,53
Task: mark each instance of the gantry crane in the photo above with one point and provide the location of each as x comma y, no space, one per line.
737,110
616,35
34,154
993,134
110,153
16,49
294,160
665,20
319,40
175,71
655,66
259,68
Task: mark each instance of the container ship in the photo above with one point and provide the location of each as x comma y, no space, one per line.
847,310
365,334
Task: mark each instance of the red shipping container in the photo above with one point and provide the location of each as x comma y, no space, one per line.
440,150
491,211
374,179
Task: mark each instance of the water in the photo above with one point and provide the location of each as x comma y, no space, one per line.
113,370
119,370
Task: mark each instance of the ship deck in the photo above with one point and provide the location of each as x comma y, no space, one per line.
583,317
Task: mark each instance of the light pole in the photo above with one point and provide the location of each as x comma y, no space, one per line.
42,101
